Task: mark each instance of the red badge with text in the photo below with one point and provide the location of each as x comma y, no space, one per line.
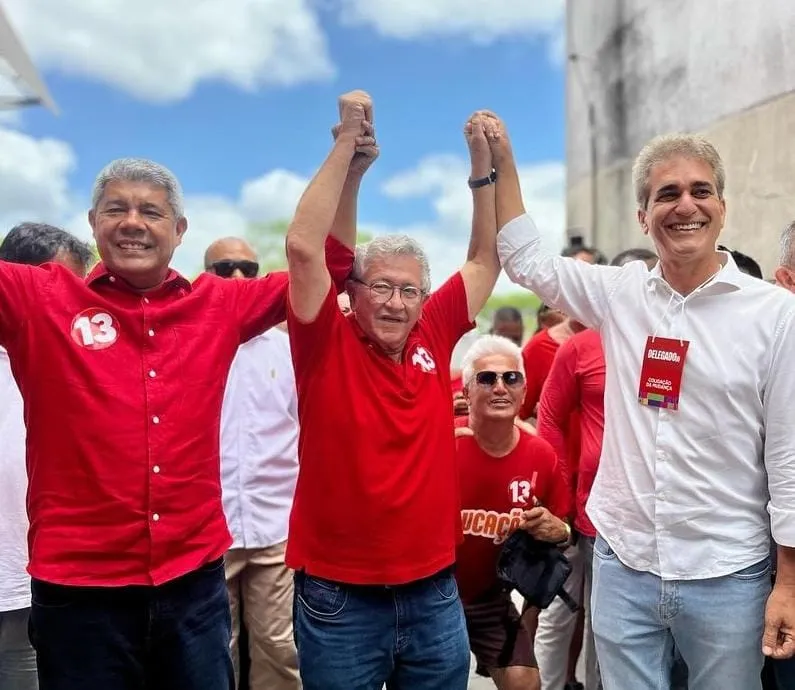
95,329
661,372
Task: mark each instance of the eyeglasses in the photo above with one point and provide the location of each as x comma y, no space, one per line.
381,292
509,378
226,267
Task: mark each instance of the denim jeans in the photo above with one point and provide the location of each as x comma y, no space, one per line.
171,636
716,624
17,658
351,637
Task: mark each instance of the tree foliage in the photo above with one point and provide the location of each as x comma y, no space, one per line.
267,239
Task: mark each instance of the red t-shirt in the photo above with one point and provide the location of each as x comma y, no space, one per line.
576,382
537,355
122,394
377,499
494,493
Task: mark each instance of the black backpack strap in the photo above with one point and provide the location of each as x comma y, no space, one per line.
572,605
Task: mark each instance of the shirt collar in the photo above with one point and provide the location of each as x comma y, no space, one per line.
100,274
729,276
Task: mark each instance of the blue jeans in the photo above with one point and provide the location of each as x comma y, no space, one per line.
351,637
171,636
17,658
716,625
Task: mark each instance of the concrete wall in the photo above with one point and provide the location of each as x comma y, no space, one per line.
719,67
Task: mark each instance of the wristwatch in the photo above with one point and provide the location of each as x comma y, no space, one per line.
483,181
567,541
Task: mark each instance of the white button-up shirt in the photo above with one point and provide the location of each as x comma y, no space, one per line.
14,580
683,494
259,442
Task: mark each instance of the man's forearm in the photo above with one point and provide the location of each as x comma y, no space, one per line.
785,569
508,192
344,226
317,210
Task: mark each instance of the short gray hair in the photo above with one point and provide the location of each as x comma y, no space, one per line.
485,346
669,146
788,246
387,246
140,170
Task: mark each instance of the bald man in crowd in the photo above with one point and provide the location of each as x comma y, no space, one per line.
259,466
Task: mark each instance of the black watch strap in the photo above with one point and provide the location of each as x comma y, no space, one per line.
483,181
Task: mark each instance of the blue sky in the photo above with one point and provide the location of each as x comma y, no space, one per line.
242,114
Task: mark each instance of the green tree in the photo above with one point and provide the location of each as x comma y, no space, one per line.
267,239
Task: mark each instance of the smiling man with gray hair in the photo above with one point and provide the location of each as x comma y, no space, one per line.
375,519
123,377
698,455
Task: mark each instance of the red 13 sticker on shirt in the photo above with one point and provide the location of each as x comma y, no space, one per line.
95,329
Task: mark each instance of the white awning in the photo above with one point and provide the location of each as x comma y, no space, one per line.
20,84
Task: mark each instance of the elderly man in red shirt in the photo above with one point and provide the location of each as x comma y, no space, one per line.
376,514
122,377
509,479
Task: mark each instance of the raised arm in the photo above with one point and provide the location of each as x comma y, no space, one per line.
579,289
319,210
344,226
482,265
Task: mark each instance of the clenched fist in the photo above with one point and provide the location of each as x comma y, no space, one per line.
356,120
356,107
499,142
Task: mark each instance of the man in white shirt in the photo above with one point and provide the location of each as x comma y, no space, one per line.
698,443
259,467
32,244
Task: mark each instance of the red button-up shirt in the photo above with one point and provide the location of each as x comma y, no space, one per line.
576,382
122,393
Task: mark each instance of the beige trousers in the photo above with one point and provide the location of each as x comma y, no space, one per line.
259,579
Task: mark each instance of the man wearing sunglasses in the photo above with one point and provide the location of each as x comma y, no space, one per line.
259,466
508,479
376,515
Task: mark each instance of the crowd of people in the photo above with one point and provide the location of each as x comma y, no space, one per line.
290,461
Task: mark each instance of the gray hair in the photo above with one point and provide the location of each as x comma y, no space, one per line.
668,146
387,246
788,246
485,346
140,170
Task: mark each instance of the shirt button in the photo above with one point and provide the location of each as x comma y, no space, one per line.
155,517
152,373
155,420
156,469
112,279
151,333
146,300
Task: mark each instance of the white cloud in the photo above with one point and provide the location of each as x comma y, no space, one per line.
445,238
478,21
161,51
273,196
34,182
34,185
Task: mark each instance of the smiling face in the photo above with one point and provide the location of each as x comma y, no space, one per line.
136,232
684,214
497,401
387,323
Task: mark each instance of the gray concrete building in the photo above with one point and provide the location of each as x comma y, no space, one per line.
722,68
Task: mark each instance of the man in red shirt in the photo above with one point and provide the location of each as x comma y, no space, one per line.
122,377
376,519
508,479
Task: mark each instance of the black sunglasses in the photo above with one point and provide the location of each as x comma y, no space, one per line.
509,378
226,267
